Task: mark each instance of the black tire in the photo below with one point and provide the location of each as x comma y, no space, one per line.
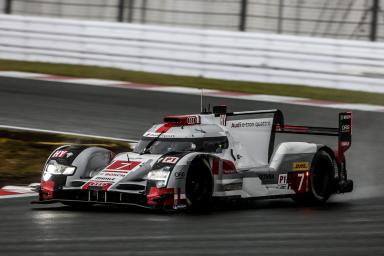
322,178
199,186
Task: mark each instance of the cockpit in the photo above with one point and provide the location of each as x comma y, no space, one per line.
160,145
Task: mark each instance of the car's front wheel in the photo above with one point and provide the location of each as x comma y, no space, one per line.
199,186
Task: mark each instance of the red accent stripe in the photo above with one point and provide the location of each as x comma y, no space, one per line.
215,166
228,167
296,127
53,77
164,128
7,193
318,102
160,196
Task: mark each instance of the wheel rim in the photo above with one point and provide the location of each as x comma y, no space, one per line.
197,188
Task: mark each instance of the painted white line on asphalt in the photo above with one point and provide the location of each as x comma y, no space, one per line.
65,133
86,81
183,90
18,189
19,195
270,98
18,74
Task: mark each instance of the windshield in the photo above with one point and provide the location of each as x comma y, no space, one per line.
166,145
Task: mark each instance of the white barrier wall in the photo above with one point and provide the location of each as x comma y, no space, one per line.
241,56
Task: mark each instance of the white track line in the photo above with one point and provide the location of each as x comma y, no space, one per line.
64,133
19,195
19,191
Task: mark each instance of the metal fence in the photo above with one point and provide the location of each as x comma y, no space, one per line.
344,19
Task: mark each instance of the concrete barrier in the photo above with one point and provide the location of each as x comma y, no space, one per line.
242,56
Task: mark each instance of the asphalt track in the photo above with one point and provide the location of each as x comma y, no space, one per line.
350,224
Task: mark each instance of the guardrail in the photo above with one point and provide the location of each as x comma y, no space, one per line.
243,56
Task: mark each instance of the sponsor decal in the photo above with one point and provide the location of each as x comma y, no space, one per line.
180,206
180,175
114,174
60,154
300,166
102,185
266,176
105,178
345,117
345,128
192,120
170,160
156,134
248,124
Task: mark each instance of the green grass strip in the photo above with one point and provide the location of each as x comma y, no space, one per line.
23,153
81,71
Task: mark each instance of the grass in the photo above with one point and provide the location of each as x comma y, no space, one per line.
196,82
23,153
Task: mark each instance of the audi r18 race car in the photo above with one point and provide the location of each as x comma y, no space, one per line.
189,161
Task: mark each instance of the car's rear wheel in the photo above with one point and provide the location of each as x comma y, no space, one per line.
322,176
199,186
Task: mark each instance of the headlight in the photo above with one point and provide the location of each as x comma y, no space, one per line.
160,176
55,168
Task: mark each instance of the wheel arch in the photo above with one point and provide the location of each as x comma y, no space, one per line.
81,157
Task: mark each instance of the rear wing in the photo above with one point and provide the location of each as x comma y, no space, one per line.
343,132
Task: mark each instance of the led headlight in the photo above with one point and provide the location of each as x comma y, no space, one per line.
160,176
55,168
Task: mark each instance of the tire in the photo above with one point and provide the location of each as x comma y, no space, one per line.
199,187
322,176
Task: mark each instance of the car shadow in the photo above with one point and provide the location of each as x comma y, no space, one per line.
216,208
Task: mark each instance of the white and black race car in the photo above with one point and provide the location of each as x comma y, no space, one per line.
189,161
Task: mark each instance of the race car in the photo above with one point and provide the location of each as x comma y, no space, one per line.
189,161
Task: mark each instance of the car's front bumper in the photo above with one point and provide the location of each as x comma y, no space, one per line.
154,199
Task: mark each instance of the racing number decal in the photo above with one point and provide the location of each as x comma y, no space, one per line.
123,166
301,178
111,174
299,181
